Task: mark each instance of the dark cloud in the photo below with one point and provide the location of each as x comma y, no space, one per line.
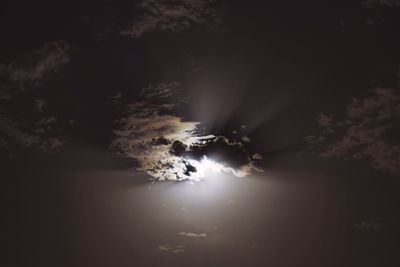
369,130
220,149
232,155
172,16
178,148
160,141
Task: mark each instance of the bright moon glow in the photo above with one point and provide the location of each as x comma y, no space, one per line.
163,145
206,167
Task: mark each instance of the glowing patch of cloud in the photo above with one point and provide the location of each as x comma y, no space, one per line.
169,148
138,139
245,138
175,249
192,235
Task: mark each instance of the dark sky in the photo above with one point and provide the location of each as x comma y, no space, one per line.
200,133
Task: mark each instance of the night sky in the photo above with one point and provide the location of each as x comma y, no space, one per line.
201,133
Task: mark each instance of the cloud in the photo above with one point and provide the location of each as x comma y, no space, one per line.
32,68
381,11
175,249
192,235
325,120
40,104
167,147
245,138
138,139
257,156
369,130
369,225
46,120
32,126
387,3
39,137
171,16
4,96
232,155
162,90
3,142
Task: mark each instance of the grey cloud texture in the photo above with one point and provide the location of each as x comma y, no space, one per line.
34,67
30,70
369,130
12,132
171,16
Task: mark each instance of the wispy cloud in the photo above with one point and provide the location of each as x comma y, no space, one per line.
369,130
368,225
192,235
37,128
172,16
175,249
34,67
37,137
387,3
